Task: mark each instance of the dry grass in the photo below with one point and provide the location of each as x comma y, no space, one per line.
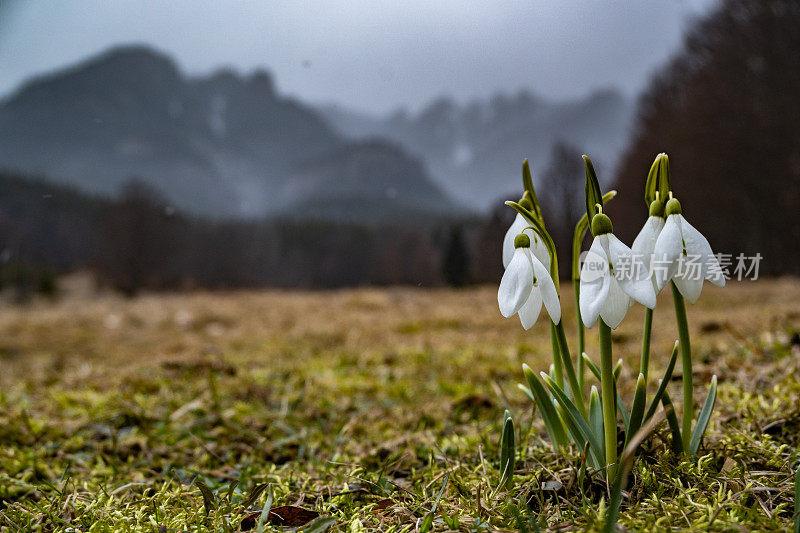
361,405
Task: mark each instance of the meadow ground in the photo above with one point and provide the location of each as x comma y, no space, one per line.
379,409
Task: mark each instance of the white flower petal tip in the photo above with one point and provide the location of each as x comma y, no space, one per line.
525,286
516,285
683,255
594,283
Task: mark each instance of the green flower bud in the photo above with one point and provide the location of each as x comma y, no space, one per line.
522,241
657,209
673,207
525,201
601,224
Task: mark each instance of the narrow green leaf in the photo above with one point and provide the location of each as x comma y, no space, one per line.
552,421
651,185
320,525
209,500
255,492
592,189
574,416
231,488
703,417
527,392
637,408
264,517
664,178
797,500
662,385
507,452
592,366
674,425
527,182
596,418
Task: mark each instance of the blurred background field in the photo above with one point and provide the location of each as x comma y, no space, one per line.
355,403
282,158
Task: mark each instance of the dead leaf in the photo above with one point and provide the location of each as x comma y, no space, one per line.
287,515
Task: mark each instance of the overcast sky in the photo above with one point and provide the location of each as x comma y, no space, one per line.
372,55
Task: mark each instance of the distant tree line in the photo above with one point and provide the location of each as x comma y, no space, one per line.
726,110
139,242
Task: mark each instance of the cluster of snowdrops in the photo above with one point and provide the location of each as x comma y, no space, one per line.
607,281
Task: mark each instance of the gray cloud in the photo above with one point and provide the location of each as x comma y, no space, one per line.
368,54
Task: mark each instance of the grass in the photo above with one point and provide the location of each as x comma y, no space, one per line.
376,409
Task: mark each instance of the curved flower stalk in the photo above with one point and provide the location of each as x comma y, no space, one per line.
683,255
611,278
526,285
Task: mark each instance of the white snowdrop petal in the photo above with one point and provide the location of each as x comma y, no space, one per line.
594,283
644,243
539,249
631,276
516,285
689,285
530,310
508,241
697,245
548,291
669,247
616,305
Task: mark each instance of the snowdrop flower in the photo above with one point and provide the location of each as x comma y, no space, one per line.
526,284
538,247
645,242
609,279
683,255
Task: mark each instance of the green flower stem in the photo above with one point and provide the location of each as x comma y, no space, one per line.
557,367
686,360
644,362
576,285
607,390
577,391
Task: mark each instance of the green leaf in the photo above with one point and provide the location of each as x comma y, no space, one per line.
637,409
320,525
507,452
662,385
264,517
255,492
552,421
797,500
664,178
209,500
703,417
427,522
592,189
651,185
574,417
527,182
527,392
596,418
674,425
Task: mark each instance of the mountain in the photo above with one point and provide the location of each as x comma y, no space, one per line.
224,145
474,151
